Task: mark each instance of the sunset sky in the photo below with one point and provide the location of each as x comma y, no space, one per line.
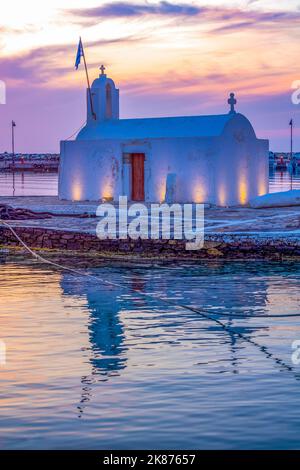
168,58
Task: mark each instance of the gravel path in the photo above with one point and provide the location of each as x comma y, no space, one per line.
283,221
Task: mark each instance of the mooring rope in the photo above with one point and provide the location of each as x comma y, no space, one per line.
104,281
204,313
44,260
72,135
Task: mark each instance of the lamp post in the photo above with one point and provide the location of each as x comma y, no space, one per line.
13,125
291,161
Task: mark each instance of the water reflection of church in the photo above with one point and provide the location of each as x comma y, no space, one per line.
105,327
108,352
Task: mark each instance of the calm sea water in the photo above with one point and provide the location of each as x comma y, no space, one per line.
28,184
91,366
46,184
281,181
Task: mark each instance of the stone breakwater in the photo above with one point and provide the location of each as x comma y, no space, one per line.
231,246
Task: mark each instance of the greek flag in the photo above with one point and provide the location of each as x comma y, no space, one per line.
79,54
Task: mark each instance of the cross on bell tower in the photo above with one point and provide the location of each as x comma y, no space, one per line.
232,101
102,68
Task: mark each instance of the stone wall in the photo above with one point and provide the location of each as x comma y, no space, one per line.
216,246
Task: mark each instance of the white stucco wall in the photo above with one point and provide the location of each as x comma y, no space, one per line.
89,170
191,159
225,170
242,164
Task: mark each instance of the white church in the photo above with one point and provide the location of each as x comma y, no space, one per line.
214,159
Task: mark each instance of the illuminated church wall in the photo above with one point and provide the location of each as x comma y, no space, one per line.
242,170
90,170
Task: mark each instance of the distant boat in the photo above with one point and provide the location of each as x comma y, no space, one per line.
31,166
281,164
32,162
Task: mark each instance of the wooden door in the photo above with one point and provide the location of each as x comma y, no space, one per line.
138,176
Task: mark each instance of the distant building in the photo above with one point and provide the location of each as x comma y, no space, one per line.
282,160
215,159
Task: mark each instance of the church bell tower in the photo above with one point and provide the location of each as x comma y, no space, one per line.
105,97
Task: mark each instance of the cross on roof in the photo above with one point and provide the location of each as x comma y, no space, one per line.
102,68
232,101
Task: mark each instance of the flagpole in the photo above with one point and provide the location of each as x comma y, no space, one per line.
292,169
88,83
